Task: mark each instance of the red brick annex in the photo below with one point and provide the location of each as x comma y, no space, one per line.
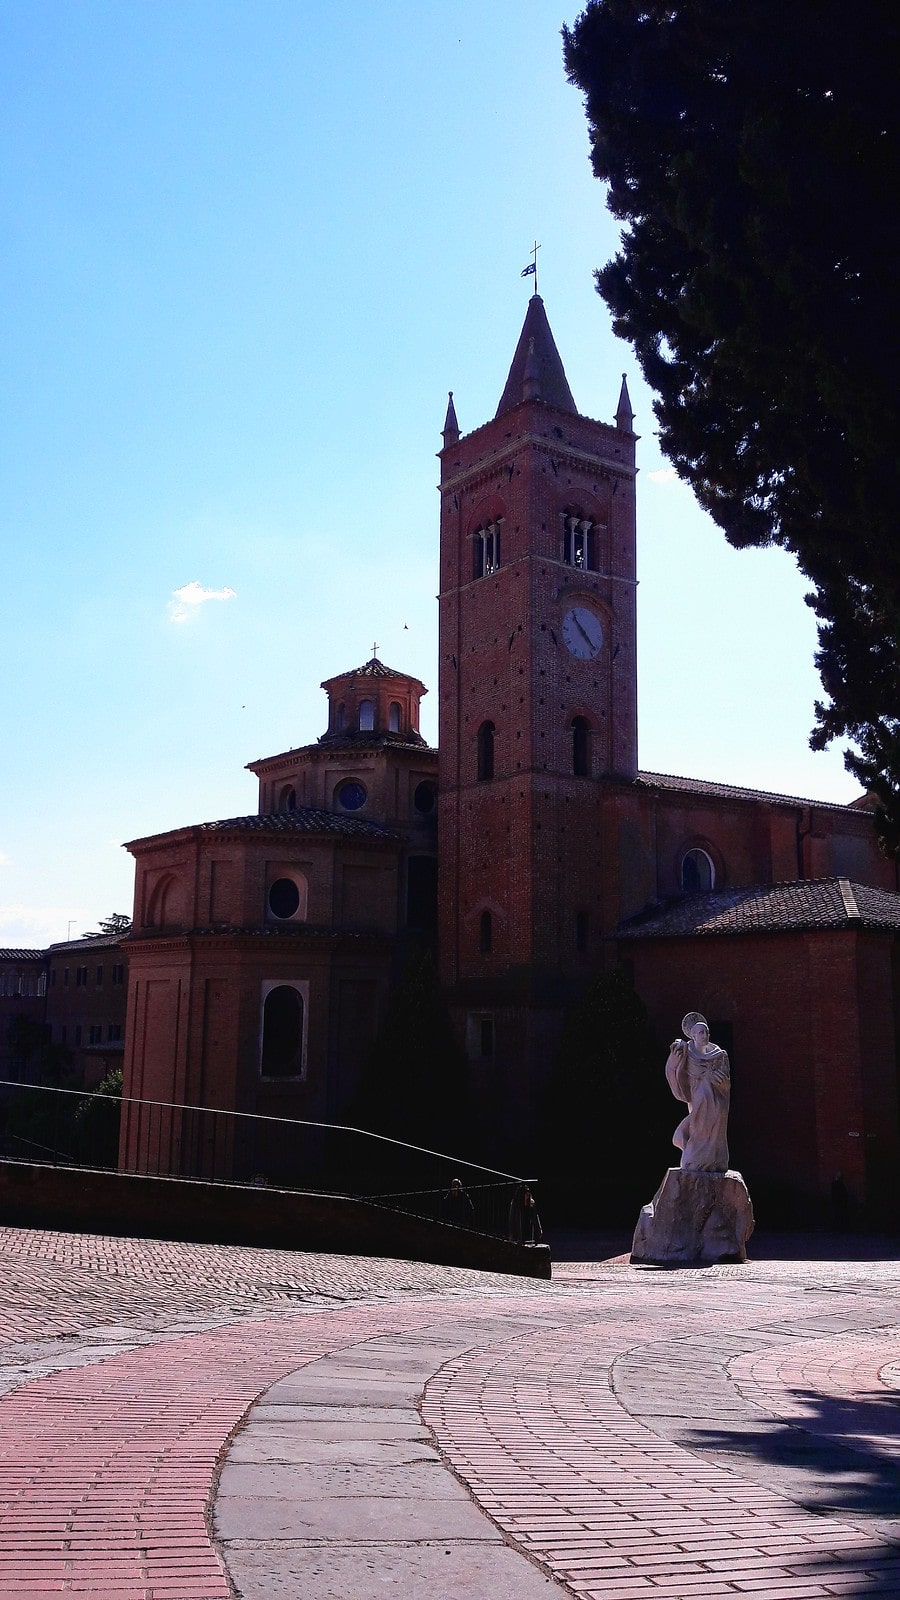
264,947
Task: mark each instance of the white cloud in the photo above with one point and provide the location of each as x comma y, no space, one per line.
34,927
185,601
667,478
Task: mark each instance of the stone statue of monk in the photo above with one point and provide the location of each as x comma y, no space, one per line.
698,1073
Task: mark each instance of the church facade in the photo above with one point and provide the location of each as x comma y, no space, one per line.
264,947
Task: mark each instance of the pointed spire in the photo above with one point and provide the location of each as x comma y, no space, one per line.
451,426
536,371
531,382
624,413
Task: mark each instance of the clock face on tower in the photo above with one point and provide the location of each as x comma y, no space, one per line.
582,633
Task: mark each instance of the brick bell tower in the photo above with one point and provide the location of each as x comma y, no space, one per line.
538,712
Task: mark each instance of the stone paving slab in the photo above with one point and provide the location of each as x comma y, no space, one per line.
618,1432
395,1571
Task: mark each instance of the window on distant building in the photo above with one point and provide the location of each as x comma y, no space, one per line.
76,1033
118,972
486,549
65,977
485,933
425,798
283,1031
479,1035
366,716
581,931
395,716
486,752
421,892
95,1033
80,977
287,800
99,977
578,542
351,796
114,1033
581,747
287,898
697,872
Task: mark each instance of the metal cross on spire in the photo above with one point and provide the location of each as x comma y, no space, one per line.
375,652
531,270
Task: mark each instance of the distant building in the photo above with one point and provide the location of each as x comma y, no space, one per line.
23,987
73,996
87,988
264,947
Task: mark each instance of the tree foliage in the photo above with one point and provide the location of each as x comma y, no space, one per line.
608,1116
750,152
117,924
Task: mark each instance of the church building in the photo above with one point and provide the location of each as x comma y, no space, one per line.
264,947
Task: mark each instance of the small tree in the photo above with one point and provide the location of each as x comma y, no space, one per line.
97,1121
608,1114
117,925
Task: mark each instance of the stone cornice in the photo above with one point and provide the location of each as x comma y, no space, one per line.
561,451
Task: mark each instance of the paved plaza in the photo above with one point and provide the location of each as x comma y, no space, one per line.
192,1422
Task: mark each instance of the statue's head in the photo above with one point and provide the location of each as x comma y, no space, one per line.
695,1026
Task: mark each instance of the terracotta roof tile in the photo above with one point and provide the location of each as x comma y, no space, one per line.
103,941
21,955
769,908
306,819
349,740
732,791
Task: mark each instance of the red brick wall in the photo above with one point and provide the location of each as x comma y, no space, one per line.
515,845
814,1058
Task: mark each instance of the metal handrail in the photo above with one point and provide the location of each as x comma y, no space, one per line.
264,1116
166,1138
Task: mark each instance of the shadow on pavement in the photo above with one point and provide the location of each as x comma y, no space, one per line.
849,1450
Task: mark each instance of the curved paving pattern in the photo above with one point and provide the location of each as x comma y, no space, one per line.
616,1433
643,1470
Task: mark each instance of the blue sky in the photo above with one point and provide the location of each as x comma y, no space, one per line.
249,248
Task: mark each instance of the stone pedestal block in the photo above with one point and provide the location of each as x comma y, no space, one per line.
695,1218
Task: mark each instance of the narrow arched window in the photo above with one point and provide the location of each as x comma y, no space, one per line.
341,718
486,752
485,933
486,549
366,716
581,747
282,1040
394,715
697,872
288,799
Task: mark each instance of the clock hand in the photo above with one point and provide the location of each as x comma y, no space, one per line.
584,634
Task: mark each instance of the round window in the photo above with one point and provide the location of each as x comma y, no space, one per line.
284,898
424,798
351,796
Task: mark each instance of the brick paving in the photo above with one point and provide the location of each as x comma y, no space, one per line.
733,1431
